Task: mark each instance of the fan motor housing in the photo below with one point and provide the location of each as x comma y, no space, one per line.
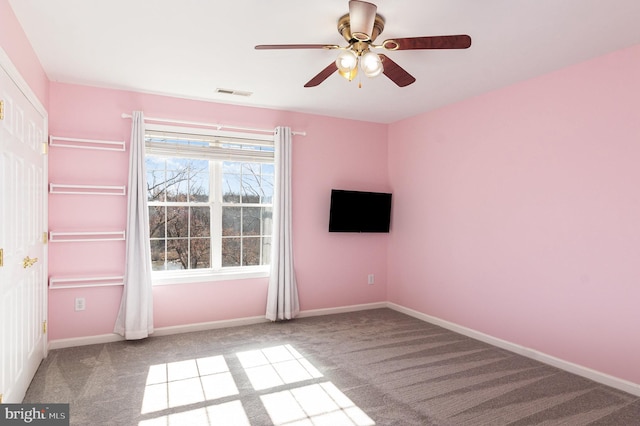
344,28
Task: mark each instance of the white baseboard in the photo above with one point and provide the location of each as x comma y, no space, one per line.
596,376
166,331
162,331
341,309
83,341
188,328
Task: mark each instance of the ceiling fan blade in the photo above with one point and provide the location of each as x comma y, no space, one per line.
295,46
395,72
461,41
362,16
322,75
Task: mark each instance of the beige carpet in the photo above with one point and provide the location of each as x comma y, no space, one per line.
371,367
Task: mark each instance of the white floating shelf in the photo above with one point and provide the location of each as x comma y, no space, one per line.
59,188
86,143
64,237
80,282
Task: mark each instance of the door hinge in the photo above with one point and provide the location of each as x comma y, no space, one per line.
45,237
1,110
1,258
44,327
45,148
0,398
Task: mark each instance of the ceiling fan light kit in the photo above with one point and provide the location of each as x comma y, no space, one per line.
347,61
360,27
371,64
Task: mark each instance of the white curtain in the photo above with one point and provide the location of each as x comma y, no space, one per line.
135,318
282,294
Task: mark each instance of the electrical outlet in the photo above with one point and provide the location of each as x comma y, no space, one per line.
371,279
80,304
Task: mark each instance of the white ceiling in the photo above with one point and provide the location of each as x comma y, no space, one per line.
188,48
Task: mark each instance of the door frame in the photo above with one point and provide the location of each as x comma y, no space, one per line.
12,71
7,65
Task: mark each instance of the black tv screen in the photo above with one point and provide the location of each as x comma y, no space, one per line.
357,211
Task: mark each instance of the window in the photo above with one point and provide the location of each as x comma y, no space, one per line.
210,201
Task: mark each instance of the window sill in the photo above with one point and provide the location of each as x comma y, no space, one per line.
186,277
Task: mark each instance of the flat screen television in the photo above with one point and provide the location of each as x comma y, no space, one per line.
358,211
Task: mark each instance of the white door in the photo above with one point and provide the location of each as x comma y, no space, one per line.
23,220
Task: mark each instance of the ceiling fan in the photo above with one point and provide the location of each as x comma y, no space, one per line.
360,27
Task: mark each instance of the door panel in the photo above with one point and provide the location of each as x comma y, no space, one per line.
23,280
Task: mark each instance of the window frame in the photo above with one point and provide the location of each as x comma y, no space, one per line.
216,272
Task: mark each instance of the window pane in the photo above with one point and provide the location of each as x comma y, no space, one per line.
198,173
177,185
200,253
231,252
251,192
251,169
177,222
199,188
251,251
177,254
231,188
231,167
200,222
268,169
157,255
267,189
231,221
157,221
155,167
251,220
251,189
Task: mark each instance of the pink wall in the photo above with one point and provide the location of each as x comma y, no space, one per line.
517,214
331,269
15,44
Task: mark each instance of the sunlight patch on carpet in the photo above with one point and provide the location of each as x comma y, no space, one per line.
276,366
179,393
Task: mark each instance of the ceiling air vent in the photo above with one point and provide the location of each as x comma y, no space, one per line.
233,92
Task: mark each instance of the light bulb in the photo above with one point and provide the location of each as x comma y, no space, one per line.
371,64
347,61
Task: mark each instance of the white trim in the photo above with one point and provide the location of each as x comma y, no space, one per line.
341,309
212,325
596,376
162,331
14,74
203,326
84,341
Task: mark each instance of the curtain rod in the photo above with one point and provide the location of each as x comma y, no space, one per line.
217,126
